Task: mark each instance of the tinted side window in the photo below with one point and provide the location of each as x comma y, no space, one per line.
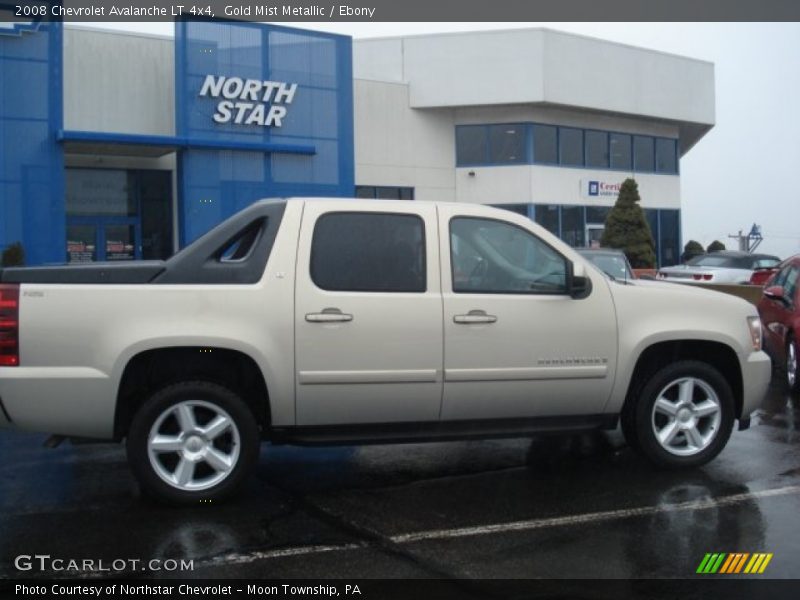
369,252
494,257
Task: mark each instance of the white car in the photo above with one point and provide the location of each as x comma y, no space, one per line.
725,266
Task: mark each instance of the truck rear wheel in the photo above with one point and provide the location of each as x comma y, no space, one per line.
683,415
192,442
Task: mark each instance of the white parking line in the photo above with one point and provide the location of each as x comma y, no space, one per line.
442,534
527,525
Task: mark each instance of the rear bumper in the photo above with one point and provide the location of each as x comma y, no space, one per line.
756,375
71,401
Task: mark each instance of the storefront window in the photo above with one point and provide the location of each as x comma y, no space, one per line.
507,143
666,156
570,144
597,149
620,151
669,242
108,192
597,214
471,145
573,227
545,144
643,154
547,217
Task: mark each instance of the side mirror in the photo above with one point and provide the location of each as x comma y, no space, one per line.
775,292
579,284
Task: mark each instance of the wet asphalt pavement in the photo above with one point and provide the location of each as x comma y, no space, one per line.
554,507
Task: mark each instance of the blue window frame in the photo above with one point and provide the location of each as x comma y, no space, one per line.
541,144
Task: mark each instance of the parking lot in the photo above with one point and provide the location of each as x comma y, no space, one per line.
551,507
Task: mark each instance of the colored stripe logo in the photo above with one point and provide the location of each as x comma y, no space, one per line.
734,563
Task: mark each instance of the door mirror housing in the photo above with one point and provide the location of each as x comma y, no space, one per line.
775,292
579,284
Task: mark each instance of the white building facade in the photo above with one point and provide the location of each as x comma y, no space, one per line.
544,123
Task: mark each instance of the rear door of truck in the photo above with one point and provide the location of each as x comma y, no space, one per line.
368,314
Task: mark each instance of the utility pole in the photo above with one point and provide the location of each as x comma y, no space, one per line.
749,242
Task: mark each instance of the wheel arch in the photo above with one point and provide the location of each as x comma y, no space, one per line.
714,353
154,368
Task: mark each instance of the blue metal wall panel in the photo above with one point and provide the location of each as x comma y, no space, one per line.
213,184
32,209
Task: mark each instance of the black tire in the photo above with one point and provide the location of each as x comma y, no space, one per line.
792,352
644,420
238,443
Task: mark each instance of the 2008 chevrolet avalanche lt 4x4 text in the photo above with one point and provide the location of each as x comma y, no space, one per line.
330,321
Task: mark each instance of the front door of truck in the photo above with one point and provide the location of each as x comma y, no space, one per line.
368,314
516,343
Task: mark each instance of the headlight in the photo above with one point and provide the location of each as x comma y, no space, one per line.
754,323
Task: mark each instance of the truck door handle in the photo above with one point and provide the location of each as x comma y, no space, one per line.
474,316
329,315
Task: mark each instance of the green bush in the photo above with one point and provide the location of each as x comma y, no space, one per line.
626,228
691,249
13,255
715,246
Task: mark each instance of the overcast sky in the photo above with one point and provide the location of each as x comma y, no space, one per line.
747,169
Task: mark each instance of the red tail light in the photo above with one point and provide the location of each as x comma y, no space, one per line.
697,277
9,325
708,277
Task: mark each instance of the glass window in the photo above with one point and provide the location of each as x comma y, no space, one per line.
387,193
643,154
570,144
790,285
545,144
384,192
494,257
369,252
471,145
365,191
547,217
597,214
507,143
597,149
100,192
620,151
666,156
155,189
573,229
669,241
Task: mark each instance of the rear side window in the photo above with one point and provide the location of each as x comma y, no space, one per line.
369,252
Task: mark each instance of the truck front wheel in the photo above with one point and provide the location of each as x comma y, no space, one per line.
192,442
683,415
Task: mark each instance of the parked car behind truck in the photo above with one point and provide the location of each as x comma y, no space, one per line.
342,321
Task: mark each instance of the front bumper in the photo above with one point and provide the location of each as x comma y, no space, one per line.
756,375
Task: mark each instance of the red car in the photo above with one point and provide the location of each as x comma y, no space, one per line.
780,314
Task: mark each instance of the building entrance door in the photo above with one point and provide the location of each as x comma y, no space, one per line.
92,239
593,235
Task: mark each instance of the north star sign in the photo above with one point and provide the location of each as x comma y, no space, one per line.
249,101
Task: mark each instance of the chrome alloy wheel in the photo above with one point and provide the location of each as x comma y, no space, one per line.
791,364
193,445
686,416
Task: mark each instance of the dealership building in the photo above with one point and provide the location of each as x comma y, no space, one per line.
117,146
